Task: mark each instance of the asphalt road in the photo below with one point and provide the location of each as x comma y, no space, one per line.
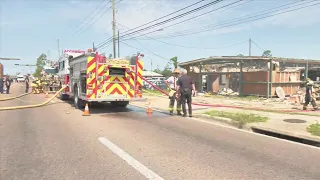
57,142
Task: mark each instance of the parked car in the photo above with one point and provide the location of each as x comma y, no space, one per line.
159,83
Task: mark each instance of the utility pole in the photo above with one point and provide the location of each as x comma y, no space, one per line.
114,27
250,47
58,48
118,44
93,48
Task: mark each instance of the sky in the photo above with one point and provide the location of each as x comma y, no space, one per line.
29,28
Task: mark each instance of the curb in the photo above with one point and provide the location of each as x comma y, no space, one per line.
248,128
223,120
285,133
226,121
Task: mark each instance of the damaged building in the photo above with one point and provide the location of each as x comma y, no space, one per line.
251,75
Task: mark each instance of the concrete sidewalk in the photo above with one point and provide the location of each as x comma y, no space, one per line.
287,124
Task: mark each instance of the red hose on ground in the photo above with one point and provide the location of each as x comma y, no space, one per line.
219,105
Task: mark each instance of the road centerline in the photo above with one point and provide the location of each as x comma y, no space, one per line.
142,169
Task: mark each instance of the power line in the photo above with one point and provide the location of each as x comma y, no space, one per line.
106,10
85,20
201,15
236,20
242,42
257,45
107,41
146,50
254,15
176,17
166,15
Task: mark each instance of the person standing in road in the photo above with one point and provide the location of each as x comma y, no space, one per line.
8,84
27,83
172,81
1,84
186,89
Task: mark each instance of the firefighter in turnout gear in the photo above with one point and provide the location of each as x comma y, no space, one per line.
172,83
186,89
310,95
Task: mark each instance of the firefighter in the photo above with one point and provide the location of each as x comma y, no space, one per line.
310,95
172,81
1,84
27,80
186,89
8,84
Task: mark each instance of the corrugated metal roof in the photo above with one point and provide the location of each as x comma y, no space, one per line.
228,59
150,73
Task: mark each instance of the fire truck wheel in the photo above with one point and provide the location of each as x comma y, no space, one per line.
64,97
78,103
120,103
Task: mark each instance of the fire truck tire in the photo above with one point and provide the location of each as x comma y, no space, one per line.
120,103
78,103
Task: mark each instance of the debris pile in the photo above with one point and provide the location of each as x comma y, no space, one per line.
227,92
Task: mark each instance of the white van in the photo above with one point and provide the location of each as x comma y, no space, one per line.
20,78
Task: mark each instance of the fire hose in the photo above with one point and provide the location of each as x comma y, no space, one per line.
224,106
33,105
16,97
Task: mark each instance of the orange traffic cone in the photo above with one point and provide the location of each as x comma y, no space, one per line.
149,110
86,111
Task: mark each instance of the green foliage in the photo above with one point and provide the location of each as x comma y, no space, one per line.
314,129
267,53
174,61
167,71
40,63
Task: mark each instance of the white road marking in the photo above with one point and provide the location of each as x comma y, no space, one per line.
237,129
149,174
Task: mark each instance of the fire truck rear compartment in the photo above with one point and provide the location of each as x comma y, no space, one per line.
117,72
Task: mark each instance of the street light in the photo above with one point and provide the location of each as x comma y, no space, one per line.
9,59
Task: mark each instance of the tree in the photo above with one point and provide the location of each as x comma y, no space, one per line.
240,55
166,72
267,53
40,63
174,61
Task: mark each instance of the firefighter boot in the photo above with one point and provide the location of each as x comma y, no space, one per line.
304,108
179,113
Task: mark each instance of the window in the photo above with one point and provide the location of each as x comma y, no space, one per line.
117,72
51,71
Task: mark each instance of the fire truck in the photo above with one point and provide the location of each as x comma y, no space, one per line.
91,77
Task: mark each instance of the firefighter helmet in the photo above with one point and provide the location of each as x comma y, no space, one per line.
176,71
